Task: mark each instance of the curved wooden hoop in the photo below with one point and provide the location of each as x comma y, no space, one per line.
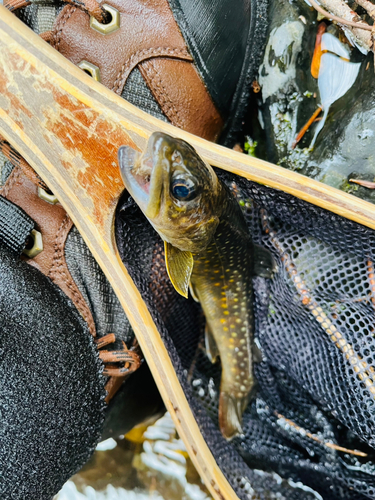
69,128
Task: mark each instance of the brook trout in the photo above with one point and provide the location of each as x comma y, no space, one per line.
207,249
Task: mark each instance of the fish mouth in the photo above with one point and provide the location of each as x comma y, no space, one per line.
143,174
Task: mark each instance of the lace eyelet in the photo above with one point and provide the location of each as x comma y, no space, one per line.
110,27
37,244
49,198
90,69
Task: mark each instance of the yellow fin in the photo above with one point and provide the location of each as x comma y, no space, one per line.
179,267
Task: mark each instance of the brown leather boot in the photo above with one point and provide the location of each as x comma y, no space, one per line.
188,62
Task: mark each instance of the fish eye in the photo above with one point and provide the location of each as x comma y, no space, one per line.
183,189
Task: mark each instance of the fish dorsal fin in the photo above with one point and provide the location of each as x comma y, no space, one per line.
212,350
179,267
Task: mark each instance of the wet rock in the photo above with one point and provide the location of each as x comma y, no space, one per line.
344,148
287,85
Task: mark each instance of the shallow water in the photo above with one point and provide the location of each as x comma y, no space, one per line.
149,462
338,147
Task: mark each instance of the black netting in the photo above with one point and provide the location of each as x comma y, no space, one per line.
312,421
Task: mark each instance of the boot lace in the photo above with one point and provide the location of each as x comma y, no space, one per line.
91,7
129,359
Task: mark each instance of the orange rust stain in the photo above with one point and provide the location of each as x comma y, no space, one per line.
315,63
16,63
16,110
82,131
85,134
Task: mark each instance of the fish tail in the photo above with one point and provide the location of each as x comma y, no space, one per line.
230,414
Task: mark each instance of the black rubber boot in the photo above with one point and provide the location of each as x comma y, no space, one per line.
226,39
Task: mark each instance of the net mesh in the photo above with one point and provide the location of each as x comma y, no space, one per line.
312,420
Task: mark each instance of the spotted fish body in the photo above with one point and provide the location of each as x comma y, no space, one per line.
222,282
208,248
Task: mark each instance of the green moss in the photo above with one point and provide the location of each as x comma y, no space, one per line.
349,187
250,146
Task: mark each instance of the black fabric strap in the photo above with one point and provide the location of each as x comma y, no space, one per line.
15,225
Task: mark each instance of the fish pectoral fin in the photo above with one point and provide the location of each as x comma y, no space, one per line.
230,414
179,267
192,292
264,263
211,347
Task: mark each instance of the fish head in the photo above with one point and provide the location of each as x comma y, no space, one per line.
176,190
